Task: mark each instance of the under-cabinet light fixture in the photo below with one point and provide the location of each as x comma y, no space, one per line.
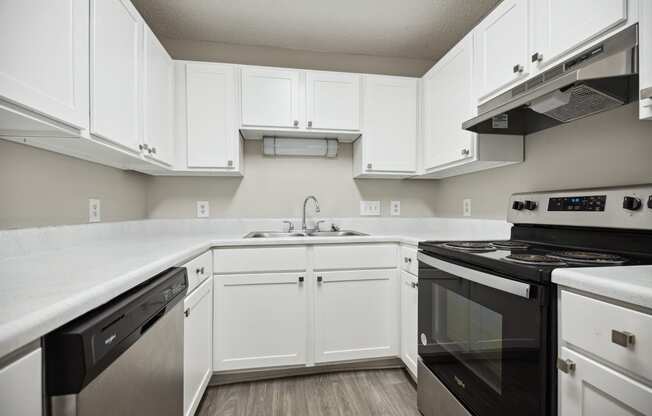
289,146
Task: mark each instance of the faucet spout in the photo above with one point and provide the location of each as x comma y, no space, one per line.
305,205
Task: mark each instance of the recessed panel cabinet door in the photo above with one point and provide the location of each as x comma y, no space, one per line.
270,97
409,303
561,25
356,315
260,320
116,66
448,102
210,101
20,386
501,45
159,104
645,52
44,57
390,123
333,100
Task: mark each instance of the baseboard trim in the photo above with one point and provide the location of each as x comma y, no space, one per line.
243,376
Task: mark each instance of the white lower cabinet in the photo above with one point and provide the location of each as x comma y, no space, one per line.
356,315
409,324
20,386
197,341
260,320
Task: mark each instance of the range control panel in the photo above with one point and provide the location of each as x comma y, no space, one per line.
578,203
623,207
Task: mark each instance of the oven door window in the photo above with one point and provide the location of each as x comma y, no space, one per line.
486,345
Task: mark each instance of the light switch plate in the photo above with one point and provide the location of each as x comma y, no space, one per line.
94,213
395,208
203,209
466,207
370,208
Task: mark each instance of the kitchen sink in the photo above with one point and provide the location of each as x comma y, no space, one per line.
279,234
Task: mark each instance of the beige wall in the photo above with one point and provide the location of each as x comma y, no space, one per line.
609,149
276,187
45,188
291,58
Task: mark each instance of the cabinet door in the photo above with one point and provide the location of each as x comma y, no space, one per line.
20,386
259,321
356,315
116,66
333,100
210,106
270,97
448,99
44,57
390,123
409,299
560,26
159,104
197,345
596,390
501,47
645,59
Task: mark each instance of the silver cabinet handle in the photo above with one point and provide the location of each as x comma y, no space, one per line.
309,123
198,271
537,57
409,259
202,270
414,285
518,69
622,338
187,312
154,150
319,279
566,366
405,259
141,147
296,123
466,152
300,279
229,163
369,165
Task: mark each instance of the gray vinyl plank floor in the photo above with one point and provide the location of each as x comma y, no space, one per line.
359,393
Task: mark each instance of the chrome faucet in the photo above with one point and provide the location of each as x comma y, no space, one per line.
304,228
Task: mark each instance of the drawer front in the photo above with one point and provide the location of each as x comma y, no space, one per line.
259,259
199,269
588,323
360,256
408,260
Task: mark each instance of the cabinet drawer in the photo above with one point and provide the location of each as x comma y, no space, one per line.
361,256
259,259
588,323
408,260
199,269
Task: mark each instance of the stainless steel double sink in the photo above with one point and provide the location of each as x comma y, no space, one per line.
277,234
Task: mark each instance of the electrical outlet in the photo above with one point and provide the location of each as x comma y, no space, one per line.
94,213
203,209
369,208
466,207
395,208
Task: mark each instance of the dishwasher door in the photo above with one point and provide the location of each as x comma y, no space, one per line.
146,380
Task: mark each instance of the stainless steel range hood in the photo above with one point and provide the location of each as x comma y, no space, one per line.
598,79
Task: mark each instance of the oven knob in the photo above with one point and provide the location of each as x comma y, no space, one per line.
631,203
517,205
530,205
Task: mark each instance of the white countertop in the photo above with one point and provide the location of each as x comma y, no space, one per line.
630,284
43,289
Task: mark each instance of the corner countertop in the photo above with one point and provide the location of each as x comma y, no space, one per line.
41,290
629,284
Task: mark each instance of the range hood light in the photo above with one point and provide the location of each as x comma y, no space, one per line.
550,102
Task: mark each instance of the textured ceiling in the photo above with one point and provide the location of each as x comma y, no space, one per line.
423,29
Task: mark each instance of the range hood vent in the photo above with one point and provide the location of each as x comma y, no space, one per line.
598,79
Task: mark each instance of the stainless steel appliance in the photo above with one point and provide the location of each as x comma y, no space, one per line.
597,79
487,309
124,358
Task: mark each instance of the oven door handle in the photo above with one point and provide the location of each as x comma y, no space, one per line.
486,279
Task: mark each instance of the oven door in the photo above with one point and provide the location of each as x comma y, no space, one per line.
485,337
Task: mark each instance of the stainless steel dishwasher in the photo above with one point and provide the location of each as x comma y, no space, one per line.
124,358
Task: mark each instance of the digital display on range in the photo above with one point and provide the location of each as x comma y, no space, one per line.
578,203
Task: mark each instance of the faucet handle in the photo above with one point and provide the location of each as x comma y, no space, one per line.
290,225
317,224
334,227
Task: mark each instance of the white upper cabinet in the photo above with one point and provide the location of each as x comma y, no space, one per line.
159,101
332,100
210,112
559,26
501,47
116,72
270,97
44,58
448,101
645,61
388,143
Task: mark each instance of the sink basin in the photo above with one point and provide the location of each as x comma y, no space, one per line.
280,234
